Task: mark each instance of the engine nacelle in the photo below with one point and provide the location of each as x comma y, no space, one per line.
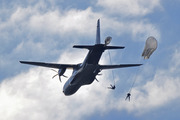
107,40
61,71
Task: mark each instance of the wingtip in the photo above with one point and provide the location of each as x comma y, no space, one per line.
22,61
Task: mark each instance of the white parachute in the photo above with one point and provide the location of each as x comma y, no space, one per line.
150,47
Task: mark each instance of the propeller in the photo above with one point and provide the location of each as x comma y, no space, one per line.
96,79
60,72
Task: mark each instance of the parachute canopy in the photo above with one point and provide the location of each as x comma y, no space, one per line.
150,47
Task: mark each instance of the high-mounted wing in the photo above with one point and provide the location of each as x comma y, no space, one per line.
51,65
117,66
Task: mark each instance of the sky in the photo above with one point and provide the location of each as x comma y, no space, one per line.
46,30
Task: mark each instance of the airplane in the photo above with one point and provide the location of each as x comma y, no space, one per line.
84,73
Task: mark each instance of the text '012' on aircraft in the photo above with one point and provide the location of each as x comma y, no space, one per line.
84,73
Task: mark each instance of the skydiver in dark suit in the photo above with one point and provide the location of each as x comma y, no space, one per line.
128,96
112,87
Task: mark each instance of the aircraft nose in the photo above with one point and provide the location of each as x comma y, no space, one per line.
64,92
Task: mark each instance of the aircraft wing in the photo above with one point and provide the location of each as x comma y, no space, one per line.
118,66
50,65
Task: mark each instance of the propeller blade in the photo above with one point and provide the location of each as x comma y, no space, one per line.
59,78
54,70
99,74
64,76
96,79
54,76
58,74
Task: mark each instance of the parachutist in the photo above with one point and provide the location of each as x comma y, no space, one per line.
128,96
112,87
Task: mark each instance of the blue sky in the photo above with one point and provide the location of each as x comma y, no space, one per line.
46,31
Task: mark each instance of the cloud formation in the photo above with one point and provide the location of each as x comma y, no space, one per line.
128,7
34,94
37,29
38,32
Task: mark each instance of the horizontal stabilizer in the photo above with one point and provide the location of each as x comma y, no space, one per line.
50,65
114,47
89,47
118,66
97,46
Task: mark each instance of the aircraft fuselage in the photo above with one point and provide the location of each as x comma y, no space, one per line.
87,71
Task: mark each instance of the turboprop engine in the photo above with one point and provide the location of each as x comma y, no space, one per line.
107,40
60,73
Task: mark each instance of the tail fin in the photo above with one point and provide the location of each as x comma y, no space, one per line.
98,40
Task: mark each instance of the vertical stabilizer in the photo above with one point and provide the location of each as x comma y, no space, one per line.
98,40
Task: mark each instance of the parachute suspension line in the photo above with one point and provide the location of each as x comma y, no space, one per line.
136,76
111,64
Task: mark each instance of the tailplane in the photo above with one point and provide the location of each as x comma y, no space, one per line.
98,45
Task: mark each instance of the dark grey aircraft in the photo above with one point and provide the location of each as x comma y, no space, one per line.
84,73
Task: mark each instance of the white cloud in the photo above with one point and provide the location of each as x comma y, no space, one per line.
32,32
76,21
161,90
129,7
139,30
33,95
41,20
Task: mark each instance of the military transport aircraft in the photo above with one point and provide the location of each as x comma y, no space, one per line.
84,73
